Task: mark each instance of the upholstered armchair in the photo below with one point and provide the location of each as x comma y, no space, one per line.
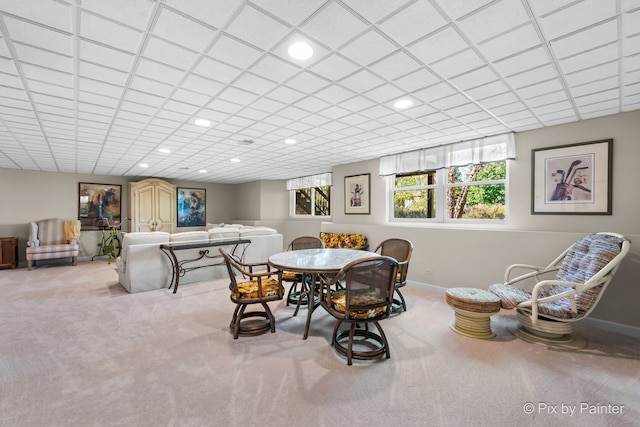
53,238
564,292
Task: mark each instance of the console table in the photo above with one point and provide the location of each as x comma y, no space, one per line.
181,266
8,252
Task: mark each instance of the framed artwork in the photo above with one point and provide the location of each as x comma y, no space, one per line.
572,179
192,207
356,194
99,205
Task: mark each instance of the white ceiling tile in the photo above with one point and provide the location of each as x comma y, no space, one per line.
595,87
511,43
417,80
235,53
580,15
253,83
92,52
36,35
432,93
540,88
357,103
439,45
95,86
202,85
170,54
608,95
493,20
550,108
413,22
457,64
362,81
384,93
585,40
334,67
34,72
543,7
216,70
52,14
157,71
143,98
367,48
51,89
591,58
536,75
153,87
549,98
395,65
274,68
285,94
333,25
291,11
43,58
475,78
109,33
307,82
522,62
592,74
458,8
183,31
136,14
191,97
605,108
257,28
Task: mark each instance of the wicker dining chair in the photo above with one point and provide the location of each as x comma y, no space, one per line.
366,298
251,284
400,250
299,291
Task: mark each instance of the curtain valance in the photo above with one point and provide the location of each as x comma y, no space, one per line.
312,181
482,150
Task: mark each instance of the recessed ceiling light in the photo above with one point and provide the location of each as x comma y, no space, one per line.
203,171
300,50
164,150
290,141
202,122
143,165
235,160
403,103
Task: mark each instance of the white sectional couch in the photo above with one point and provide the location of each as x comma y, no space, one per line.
142,266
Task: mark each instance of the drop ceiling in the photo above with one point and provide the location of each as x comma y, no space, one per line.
98,87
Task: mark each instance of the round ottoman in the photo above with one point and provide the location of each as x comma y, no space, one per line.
473,309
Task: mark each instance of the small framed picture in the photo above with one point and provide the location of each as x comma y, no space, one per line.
192,207
572,179
356,193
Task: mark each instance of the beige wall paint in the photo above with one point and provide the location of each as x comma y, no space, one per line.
34,195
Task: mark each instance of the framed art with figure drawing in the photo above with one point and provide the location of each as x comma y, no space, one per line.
192,207
573,179
99,205
356,194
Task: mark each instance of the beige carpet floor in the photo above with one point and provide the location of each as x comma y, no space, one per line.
77,350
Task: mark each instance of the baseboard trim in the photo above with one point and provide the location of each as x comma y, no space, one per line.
605,325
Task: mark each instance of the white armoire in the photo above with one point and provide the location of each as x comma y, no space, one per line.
152,205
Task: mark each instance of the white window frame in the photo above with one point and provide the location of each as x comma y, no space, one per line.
292,204
441,188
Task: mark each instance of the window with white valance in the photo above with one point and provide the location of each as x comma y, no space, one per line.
311,195
465,181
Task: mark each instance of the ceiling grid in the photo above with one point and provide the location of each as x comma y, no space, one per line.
89,86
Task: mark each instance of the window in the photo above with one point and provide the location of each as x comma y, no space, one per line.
312,201
311,195
473,192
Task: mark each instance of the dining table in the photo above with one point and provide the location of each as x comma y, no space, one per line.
319,264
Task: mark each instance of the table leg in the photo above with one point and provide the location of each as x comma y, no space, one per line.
311,305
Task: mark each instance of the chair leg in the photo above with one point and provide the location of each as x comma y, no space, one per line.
29,264
235,320
293,291
399,303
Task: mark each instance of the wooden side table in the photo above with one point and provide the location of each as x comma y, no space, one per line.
8,252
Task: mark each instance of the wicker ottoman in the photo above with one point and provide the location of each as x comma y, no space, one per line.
473,309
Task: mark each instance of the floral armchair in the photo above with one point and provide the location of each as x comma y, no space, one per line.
53,238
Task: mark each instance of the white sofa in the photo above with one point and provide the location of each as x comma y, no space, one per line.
143,266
